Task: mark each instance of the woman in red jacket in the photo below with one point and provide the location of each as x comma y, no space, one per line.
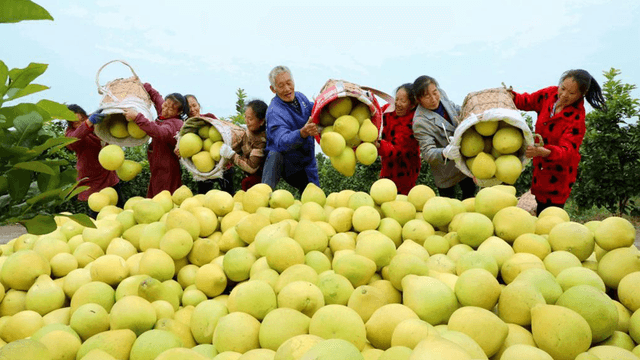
398,148
87,148
163,162
561,124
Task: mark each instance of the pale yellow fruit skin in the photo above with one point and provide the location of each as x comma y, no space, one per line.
383,322
595,307
560,331
237,332
339,322
615,232
189,145
471,143
111,157
340,106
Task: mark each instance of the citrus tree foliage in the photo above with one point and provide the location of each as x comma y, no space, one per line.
32,179
610,169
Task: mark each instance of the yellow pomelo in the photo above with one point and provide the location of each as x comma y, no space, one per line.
574,276
98,201
619,339
508,140
365,300
383,190
437,211
347,126
118,128
21,269
237,332
284,252
214,134
483,166
203,161
356,268
368,132
518,263
499,249
153,343
558,261
89,319
310,236
608,352
333,349
312,193
555,211
147,211
595,307
629,291
517,336
255,298
383,322
419,195
189,145
489,201
546,223
439,348
366,153
409,332
436,244
469,259
532,244
25,349
336,288
615,232
111,157
109,269
345,162
360,111
61,344
21,325
544,281
280,325
302,296
135,131
399,210
560,331
442,301
572,237
340,106
486,128
404,264
157,264
134,313
332,143
365,218
339,322
474,228
204,319
376,246
116,343
214,150
508,168
477,287
295,347
237,263
471,143
522,351
413,248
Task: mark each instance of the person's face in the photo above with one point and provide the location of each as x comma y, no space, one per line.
194,107
75,124
170,108
403,105
253,123
285,87
568,92
430,100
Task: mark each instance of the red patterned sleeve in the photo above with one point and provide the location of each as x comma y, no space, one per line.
531,102
570,140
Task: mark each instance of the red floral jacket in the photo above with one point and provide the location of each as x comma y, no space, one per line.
562,133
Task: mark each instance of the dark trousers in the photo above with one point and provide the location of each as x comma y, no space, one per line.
225,183
542,206
467,186
273,173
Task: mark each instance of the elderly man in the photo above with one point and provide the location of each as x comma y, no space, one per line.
290,134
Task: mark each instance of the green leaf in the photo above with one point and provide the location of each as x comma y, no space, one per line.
19,183
47,182
36,166
81,219
27,90
18,10
25,111
4,75
20,78
40,225
50,143
27,126
57,110
44,196
76,191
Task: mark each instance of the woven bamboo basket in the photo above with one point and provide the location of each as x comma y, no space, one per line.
231,133
118,95
479,101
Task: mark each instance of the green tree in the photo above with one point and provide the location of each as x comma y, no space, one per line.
238,117
34,179
610,169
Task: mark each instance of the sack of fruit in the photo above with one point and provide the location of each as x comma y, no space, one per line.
348,117
199,142
491,139
118,95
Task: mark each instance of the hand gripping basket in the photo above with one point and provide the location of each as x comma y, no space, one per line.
118,95
230,134
334,89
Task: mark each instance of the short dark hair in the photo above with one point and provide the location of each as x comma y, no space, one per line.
259,107
77,109
184,105
192,96
408,87
421,85
588,87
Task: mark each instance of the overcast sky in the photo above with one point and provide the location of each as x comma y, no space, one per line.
211,48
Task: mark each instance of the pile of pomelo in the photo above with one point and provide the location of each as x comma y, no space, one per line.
352,275
347,125
491,149
201,147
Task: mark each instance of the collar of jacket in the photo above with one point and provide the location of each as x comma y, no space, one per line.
438,120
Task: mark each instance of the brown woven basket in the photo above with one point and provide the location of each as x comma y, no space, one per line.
479,101
114,92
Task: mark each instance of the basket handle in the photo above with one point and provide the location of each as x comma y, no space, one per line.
100,88
537,140
383,95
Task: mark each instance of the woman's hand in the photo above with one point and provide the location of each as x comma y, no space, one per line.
533,151
176,151
130,114
377,144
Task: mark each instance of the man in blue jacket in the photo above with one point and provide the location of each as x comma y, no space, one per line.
290,134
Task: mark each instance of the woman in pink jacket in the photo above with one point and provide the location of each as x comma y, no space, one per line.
164,165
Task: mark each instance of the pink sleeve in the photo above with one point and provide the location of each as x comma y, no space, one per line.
79,133
155,97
